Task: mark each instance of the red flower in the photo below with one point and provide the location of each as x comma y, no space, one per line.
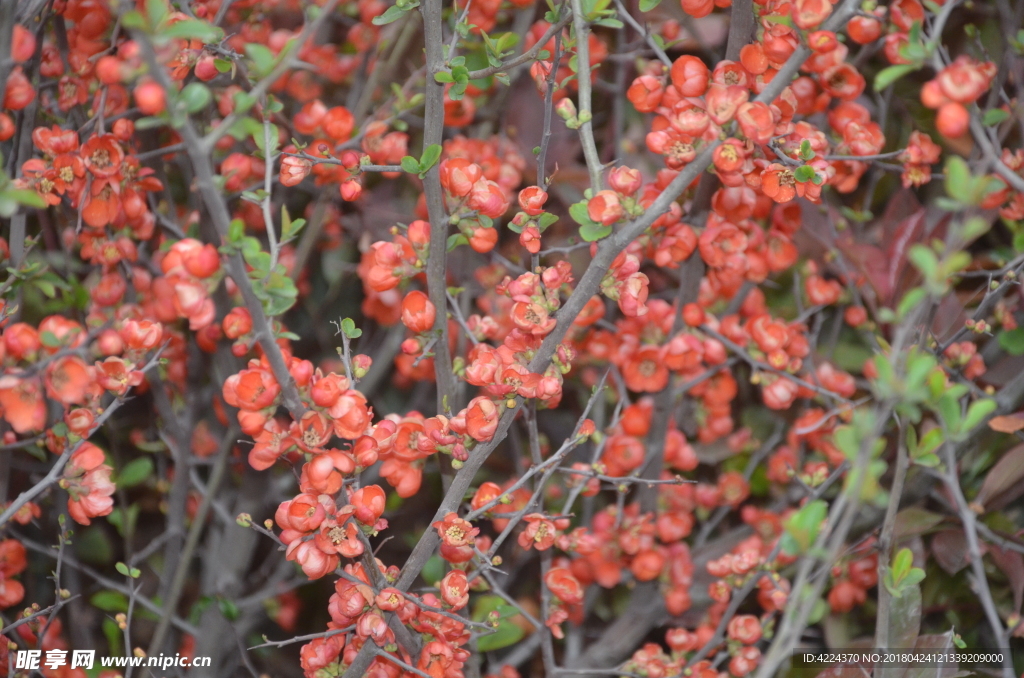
561,582
418,312
351,415
369,504
540,533
646,93
117,376
312,431
778,183
457,538
479,420
103,156
252,389
532,199
455,589
294,170
689,75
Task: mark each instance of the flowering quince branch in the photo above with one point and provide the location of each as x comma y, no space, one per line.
980,581
58,467
196,149
529,54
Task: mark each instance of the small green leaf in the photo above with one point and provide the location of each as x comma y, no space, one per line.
262,58
122,568
648,5
976,413
110,601
891,74
804,173
578,211
196,96
995,116
193,29
507,41
156,11
594,231
958,179
1012,341
803,526
25,196
431,154
410,164
391,14
455,240
348,327
443,77
925,260
228,608
910,301
135,472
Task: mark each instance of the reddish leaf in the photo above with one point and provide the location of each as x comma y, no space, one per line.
1011,563
914,521
937,642
950,550
908,232
1007,423
1005,478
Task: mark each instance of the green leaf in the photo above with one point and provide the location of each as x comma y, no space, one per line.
594,231
806,152
910,301
262,58
25,196
391,14
134,20
804,173
891,74
994,116
196,96
410,164
156,11
507,633
930,442
904,625
114,635
289,228
578,211
1012,341
901,564
443,77
925,260
228,608
434,570
110,601
976,413
455,240
135,472
958,179
243,103
193,29
348,326
222,65
507,41
122,568
648,5
431,154
803,526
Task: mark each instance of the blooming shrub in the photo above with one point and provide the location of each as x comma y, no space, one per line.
512,338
